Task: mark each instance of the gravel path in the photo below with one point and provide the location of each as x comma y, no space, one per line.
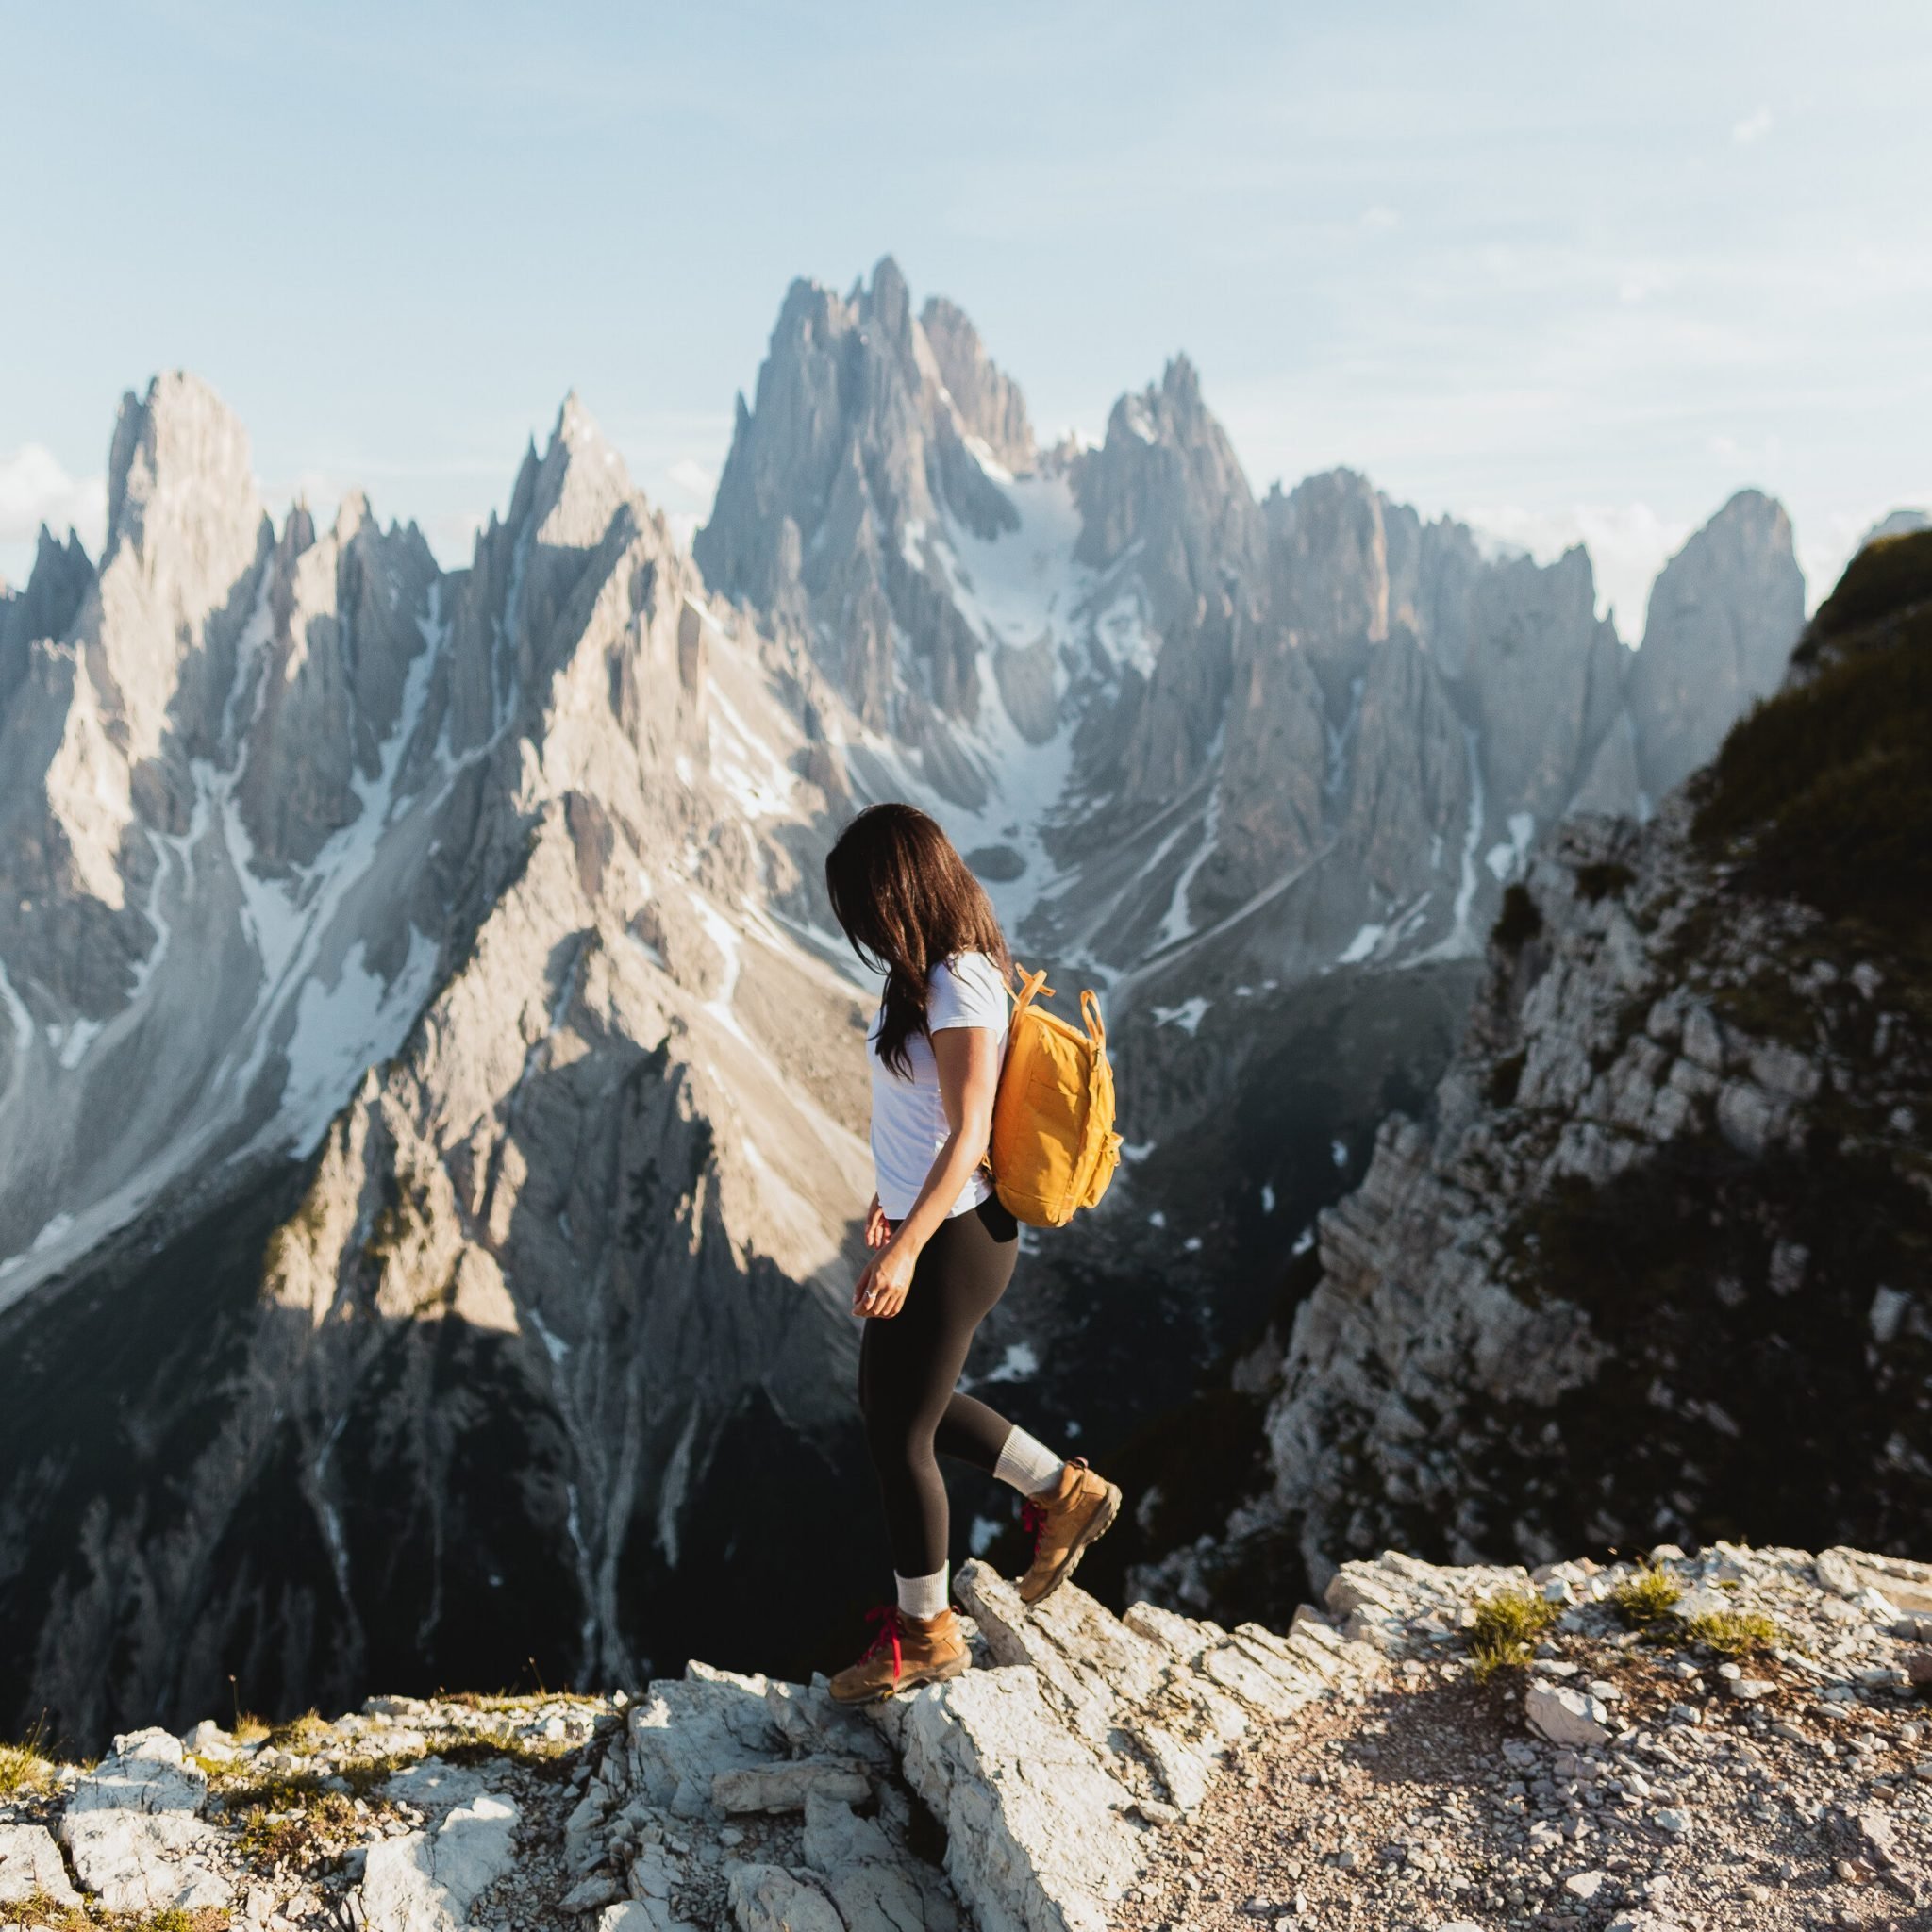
1432,1806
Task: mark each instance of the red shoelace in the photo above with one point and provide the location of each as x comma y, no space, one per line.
1032,1521
1033,1513
886,1637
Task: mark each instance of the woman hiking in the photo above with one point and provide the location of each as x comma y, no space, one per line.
942,1246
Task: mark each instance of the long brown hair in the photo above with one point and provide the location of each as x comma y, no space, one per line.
907,900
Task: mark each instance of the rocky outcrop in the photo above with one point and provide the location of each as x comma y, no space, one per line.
1088,1772
1575,1305
1730,1738
1026,1796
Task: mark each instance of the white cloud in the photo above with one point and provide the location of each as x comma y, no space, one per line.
1380,218
692,480
683,525
1629,544
1753,127
36,490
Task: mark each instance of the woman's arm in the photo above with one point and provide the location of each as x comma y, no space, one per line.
967,1060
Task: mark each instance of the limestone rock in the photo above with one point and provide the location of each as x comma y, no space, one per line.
785,1787
1566,1716
765,1898
31,1866
133,1830
1092,1730
426,1881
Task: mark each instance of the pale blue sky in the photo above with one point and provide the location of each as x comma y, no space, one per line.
1553,268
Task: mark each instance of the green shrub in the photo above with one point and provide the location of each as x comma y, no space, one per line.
1647,1600
1506,1629
1603,881
44,1914
1519,922
300,1734
1734,1633
1504,1078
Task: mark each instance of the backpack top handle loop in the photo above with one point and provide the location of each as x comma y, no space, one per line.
1090,1008
1032,984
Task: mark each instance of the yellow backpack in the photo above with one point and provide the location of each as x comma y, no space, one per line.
1054,1149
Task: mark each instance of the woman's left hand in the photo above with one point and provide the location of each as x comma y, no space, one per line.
882,1286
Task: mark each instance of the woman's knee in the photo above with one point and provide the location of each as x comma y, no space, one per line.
901,1442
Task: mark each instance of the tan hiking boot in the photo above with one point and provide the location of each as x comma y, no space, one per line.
1064,1520
907,1653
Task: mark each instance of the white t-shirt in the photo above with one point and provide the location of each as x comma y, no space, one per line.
908,1117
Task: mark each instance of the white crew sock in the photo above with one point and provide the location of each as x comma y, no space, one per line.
1028,1465
923,1597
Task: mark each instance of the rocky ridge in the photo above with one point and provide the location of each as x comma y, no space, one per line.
409,1131
1577,1304
1090,1772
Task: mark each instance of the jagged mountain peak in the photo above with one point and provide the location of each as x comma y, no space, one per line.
566,495
50,552
988,401
575,426
352,513
1723,616
55,585
1167,481
887,303
60,578
1174,407
178,447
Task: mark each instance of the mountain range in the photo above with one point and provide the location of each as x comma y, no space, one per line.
432,1120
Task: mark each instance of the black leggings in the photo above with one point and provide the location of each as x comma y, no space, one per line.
908,1364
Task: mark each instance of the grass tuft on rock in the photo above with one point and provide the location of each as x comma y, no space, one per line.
534,1753
302,1835
1734,1633
1648,1600
39,1913
25,1768
1506,1629
301,1735
44,1914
